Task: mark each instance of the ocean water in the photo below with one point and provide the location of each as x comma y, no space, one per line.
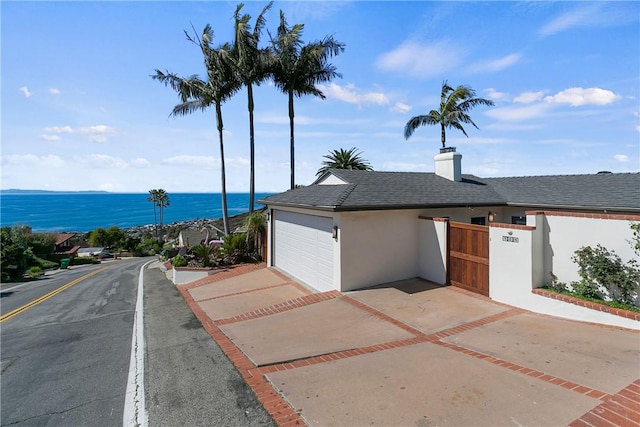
82,212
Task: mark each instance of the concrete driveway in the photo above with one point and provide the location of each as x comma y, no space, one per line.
414,354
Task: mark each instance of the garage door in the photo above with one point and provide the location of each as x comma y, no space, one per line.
303,248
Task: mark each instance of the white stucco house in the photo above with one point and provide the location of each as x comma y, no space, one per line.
500,237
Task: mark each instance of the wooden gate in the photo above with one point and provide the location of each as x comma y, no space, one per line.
469,257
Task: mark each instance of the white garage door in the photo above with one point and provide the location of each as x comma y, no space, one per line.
303,247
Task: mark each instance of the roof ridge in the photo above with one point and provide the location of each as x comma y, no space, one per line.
562,176
346,194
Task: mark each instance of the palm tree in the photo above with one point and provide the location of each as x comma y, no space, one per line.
197,94
454,106
255,224
250,64
153,198
344,159
297,68
162,202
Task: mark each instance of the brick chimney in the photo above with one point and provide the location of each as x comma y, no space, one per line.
449,164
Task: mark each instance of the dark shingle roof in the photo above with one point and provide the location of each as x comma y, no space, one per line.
398,190
615,191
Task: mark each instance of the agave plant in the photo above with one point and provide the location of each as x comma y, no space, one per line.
204,254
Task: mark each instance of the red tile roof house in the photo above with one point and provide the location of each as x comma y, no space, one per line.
64,246
500,237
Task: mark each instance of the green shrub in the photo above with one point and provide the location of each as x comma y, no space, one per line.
179,261
44,263
83,260
557,285
598,267
34,272
235,250
148,247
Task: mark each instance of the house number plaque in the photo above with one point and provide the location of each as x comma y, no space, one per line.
511,239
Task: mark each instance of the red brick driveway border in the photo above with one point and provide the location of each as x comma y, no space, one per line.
620,409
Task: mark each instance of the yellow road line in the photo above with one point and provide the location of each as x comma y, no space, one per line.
47,296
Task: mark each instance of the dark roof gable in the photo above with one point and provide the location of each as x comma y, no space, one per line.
400,190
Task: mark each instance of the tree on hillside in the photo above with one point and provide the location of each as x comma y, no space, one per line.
198,95
452,113
297,68
251,65
344,159
153,198
163,201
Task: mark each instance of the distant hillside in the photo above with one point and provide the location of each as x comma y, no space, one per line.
16,191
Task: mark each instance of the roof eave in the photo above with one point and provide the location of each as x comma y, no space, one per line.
576,207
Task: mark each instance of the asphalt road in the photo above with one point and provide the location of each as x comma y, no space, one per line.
65,361
189,381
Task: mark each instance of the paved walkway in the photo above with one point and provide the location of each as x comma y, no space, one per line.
413,353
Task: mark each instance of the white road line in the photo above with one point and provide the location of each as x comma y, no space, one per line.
135,411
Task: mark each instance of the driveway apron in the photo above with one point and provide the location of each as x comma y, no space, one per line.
414,353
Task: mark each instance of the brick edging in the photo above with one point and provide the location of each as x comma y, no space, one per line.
620,409
588,304
280,307
278,408
223,273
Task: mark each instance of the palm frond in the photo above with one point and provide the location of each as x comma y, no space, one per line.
455,103
261,20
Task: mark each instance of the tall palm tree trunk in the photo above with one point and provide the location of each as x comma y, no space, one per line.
225,215
293,166
252,154
155,218
442,135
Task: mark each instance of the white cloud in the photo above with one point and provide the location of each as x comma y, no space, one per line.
54,91
495,64
26,92
512,113
27,161
622,158
98,133
485,141
205,162
528,97
277,119
418,60
638,128
140,163
100,161
495,95
577,96
236,161
59,129
349,93
400,107
597,14
47,137
406,167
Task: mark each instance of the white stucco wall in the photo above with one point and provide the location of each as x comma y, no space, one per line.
564,234
511,265
377,247
432,249
516,268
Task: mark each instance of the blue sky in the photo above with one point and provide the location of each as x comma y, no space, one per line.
80,112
